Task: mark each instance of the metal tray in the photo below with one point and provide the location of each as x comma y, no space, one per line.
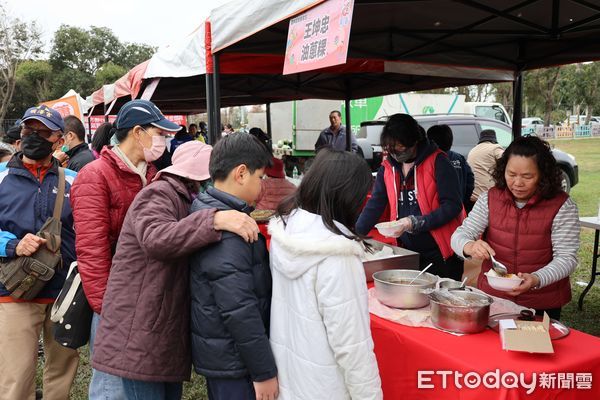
557,329
402,259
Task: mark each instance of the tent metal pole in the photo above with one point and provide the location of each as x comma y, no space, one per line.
269,121
217,96
89,120
210,109
104,112
348,125
518,104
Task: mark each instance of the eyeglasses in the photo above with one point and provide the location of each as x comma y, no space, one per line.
45,133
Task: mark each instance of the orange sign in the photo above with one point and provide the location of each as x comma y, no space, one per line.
319,37
66,106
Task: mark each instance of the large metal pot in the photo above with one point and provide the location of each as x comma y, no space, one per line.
392,288
470,318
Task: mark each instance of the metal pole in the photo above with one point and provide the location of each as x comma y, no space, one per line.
217,95
104,112
348,125
518,105
212,138
89,117
269,121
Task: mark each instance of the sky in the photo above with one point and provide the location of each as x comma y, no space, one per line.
150,22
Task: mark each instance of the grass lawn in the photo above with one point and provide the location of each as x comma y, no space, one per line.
586,194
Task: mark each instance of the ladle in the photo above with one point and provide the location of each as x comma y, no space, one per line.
420,273
498,267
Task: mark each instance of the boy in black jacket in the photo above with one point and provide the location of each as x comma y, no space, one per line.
231,283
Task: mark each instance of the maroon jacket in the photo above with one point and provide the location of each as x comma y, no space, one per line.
100,197
522,239
144,333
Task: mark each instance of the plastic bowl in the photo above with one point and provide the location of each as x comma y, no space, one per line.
501,283
388,228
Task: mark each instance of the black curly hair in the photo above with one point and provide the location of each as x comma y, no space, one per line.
550,183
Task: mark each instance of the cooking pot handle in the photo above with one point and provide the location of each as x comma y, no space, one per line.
440,280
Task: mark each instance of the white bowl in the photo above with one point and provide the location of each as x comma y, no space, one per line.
388,228
503,284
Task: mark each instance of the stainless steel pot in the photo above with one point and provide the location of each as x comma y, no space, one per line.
470,318
392,288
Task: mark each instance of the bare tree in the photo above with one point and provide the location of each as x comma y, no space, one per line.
19,41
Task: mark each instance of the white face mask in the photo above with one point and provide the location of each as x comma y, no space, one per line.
159,144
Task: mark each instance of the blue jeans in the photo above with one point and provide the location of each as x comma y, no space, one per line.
141,390
103,386
230,389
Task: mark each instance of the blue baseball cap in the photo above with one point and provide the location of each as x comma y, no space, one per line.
47,116
143,112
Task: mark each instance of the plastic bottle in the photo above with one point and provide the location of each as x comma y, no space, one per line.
295,173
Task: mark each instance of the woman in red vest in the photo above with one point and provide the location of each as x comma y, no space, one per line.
417,182
529,224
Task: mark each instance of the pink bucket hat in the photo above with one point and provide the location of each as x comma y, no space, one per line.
190,161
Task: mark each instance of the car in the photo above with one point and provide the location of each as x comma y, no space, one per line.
531,122
573,120
466,130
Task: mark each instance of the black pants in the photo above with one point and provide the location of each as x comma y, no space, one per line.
452,268
552,312
230,389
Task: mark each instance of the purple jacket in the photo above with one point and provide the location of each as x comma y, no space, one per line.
144,331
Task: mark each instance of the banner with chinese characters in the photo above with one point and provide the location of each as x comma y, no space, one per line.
319,37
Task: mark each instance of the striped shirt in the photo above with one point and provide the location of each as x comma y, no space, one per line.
565,238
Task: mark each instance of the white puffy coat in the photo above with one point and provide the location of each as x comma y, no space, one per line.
320,332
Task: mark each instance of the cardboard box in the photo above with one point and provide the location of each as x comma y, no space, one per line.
527,336
401,259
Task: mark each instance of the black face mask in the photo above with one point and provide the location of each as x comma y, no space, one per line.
404,156
36,147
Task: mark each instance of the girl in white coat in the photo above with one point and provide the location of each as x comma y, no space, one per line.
320,332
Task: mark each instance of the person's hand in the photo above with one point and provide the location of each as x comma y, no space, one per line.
29,245
237,222
478,249
267,390
61,156
402,225
529,281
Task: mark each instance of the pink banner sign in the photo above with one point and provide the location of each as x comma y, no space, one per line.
319,37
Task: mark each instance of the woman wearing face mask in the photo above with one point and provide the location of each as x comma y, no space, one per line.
418,184
148,286
101,195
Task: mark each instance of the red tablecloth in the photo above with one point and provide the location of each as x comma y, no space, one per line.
403,351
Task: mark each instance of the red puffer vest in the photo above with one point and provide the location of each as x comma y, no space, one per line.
101,195
272,191
427,198
522,239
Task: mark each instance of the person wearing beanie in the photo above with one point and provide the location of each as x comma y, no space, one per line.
482,159
11,140
143,336
274,187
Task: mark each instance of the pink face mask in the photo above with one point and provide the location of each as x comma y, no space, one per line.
159,144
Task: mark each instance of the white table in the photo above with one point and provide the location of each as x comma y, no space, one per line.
593,223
